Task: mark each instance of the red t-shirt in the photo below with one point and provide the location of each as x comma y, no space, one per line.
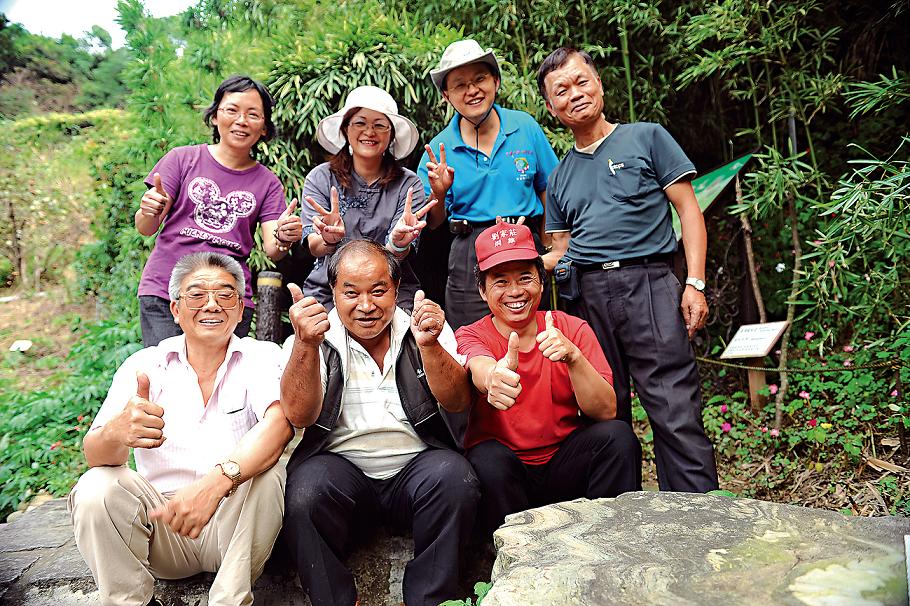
546,411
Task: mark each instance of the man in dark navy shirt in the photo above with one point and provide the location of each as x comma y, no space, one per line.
609,215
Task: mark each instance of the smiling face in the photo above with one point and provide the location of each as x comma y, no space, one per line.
211,324
574,93
240,119
471,89
369,133
365,297
513,291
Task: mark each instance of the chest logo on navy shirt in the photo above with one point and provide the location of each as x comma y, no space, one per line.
217,213
614,166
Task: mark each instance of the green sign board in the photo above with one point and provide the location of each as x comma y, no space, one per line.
708,187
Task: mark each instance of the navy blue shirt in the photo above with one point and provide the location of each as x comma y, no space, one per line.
506,182
612,202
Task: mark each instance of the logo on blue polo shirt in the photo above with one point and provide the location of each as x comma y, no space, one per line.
614,167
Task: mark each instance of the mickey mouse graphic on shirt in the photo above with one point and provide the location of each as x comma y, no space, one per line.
217,213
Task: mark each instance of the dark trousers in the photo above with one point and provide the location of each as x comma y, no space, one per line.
157,321
635,314
600,460
330,503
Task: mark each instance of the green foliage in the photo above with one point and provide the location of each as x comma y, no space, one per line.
480,590
40,74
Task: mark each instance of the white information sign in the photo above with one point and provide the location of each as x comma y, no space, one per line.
754,340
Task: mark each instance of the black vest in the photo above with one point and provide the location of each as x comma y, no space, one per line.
420,407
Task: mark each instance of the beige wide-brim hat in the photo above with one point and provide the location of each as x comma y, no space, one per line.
461,53
328,131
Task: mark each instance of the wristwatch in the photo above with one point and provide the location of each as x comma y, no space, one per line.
231,470
697,284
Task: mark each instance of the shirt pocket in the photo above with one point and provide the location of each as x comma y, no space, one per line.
236,422
624,184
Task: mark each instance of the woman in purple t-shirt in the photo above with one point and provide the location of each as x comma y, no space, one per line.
211,198
363,191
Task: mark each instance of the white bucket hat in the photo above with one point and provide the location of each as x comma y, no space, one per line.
461,53
328,131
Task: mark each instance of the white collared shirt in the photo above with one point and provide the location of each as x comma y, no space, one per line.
373,431
199,435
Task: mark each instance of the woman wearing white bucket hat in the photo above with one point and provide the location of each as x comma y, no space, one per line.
363,192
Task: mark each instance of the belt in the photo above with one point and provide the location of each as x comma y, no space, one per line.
663,259
462,227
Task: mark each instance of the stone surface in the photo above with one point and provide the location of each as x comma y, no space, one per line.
681,549
41,566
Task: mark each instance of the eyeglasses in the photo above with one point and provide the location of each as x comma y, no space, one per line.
233,113
226,298
362,125
462,87
523,282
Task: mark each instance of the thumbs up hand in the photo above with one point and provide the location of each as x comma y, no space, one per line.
141,423
156,200
504,383
427,320
554,345
308,317
290,226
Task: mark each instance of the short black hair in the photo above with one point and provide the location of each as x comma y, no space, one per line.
366,247
557,59
240,84
481,275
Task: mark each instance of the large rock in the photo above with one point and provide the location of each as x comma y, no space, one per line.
683,549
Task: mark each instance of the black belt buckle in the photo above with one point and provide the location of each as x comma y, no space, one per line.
511,220
460,227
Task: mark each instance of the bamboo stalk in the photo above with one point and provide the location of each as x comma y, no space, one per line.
627,66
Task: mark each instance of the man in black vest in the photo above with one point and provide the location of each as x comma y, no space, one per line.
366,381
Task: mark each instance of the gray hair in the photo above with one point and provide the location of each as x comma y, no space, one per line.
201,260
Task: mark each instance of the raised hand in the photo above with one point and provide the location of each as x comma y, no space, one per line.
155,200
503,382
141,423
290,227
439,173
308,317
328,223
410,223
554,345
427,320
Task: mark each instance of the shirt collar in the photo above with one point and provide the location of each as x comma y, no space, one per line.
507,126
176,347
337,335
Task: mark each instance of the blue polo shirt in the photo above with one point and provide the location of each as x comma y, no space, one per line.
505,183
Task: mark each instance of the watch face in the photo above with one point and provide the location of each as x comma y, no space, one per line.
231,468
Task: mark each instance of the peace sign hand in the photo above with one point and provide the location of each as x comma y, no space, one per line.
410,223
155,200
439,173
328,223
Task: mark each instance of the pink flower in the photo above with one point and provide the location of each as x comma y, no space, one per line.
894,394
79,418
723,408
848,362
764,430
804,395
832,263
726,427
772,388
56,445
774,433
848,348
808,336
813,422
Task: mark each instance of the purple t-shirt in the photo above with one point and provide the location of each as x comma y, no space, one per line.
216,209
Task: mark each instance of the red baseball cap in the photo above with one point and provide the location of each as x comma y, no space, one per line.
504,242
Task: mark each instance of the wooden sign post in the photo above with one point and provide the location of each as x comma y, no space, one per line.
753,342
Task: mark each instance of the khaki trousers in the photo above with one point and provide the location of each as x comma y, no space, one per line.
126,551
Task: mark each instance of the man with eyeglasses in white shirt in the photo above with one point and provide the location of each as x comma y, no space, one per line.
201,413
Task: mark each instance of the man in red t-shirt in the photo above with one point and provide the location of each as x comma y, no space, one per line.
542,425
